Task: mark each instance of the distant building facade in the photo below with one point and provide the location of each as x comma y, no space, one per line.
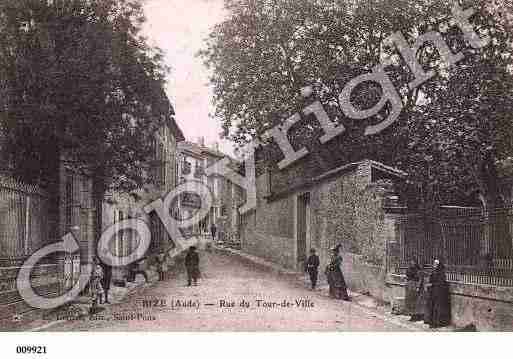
193,160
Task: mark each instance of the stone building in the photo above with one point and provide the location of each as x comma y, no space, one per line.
194,158
37,215
232,198
119,206
345,205
70,202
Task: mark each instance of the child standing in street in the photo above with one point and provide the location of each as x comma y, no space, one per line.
161,266
96,288
312,267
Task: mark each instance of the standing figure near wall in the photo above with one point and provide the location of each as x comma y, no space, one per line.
438,306
213,231
312,267
107,277
192,266
161,266
414,289
336,281
95,286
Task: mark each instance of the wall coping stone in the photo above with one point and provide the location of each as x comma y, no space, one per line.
480,291
329,175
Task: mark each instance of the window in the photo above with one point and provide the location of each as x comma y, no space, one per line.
215,188
186,167
235,218
199,171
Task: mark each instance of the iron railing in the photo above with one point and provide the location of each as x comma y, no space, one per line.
24,221
475,246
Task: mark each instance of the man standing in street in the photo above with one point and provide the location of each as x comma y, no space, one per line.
312,267
138,268
161,263
213,230
192,266
107,277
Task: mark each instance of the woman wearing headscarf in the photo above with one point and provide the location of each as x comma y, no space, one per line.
438,306
413,286
335,277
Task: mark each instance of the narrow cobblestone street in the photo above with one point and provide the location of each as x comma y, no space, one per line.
226,278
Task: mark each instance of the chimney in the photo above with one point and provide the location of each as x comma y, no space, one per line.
201,141
216,146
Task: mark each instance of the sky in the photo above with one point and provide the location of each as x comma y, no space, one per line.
179,27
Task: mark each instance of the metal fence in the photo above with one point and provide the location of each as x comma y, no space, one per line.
71,270
475,246
24,221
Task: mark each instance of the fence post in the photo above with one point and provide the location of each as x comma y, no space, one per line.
445,251
26,244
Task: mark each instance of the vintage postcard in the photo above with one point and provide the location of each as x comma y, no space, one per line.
255,166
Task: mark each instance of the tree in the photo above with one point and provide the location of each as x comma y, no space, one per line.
79,80
267,50
463,131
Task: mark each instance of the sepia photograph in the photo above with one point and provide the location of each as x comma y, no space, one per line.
255,166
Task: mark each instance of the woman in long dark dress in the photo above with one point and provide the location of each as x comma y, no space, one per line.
438,306
335,277
413,277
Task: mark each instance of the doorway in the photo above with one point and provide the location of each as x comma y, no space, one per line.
302,229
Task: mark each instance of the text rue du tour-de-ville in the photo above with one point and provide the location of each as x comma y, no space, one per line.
229,303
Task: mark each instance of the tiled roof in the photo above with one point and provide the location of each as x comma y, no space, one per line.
199,149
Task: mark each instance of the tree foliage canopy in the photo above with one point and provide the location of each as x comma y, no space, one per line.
453,129
78,79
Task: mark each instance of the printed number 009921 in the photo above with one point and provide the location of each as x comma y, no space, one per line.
30,349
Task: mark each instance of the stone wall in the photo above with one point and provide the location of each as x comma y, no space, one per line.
231,199
267,232
229,203
362,277
346,208
489,308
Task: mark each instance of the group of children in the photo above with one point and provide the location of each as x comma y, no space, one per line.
101,277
